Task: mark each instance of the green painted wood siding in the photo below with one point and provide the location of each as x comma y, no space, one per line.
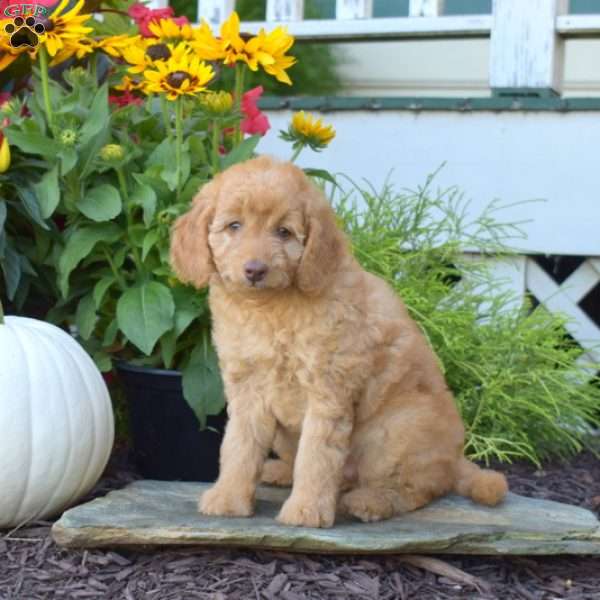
399,8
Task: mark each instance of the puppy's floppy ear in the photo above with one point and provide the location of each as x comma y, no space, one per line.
324,248
191,258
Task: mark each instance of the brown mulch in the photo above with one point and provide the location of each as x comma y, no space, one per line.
32,567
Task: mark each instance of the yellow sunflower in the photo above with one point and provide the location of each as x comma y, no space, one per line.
78,49
272,57
166,30
182,74
148,51
66,30
128,85
266,50
306,130
115,45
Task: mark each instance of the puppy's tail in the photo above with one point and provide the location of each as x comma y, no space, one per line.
482,485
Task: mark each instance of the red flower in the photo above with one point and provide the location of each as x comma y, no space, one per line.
125,100
255,121
143,16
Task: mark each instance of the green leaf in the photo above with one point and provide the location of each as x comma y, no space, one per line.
98,116
149,242
101,288
101,203
144,196
68,160
202,383
31,206
110,335
241,152
162,155
79,245
3,212
145,313
168,347
103,361
322,174
48,192
198,149
34,143
85,317
11,267
189,304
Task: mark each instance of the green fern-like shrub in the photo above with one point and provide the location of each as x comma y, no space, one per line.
511,367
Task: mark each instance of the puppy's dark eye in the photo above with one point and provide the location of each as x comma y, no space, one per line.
283,233
234,226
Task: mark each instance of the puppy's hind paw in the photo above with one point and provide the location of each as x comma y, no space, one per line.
277,472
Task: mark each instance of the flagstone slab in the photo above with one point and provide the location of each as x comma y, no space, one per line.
159,513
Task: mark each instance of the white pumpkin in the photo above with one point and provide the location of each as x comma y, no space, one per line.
56,421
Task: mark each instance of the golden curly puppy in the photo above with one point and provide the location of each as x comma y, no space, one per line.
320,359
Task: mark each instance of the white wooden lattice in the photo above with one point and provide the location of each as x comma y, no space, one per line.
522,274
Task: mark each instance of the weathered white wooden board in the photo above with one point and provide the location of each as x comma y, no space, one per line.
526,51
284,10
510,156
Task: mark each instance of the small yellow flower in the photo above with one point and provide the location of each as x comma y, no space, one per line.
115,45
266,50
4,154
79,49
66,30
166,30
217,103
146,53
182,74
273,47
128,85
307,130
112,152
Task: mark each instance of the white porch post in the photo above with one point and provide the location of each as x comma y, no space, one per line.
285,10
526,52
425,8
353,9
215,11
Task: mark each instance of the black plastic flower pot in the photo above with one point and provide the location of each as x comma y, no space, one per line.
167,441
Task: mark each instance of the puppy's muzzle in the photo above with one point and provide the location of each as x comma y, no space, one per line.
255,271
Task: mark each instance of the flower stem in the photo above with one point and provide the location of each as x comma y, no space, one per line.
216,139
166,117
122,183
179,142
239,90
94,66
297,152
120,281
46,86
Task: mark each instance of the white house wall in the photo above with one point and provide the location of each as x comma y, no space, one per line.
448,68
490,155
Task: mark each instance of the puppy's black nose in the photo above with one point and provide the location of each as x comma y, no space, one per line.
255,270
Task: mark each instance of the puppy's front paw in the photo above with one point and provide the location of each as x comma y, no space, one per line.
227,503
301,512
